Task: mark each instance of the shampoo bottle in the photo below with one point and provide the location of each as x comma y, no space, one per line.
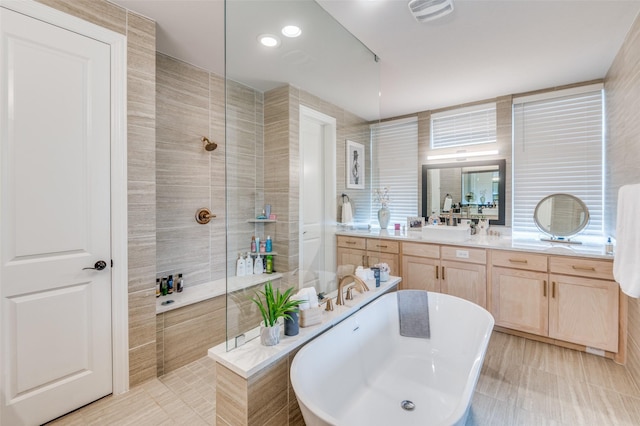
248,265
253,244
170,284
269,265
180,284
258,268
240,266
268,244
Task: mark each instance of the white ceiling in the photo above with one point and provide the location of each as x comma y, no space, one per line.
484,49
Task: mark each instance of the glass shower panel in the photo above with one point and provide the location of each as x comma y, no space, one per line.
325,74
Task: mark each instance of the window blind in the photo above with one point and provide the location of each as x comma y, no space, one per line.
558,147
395,166
464,126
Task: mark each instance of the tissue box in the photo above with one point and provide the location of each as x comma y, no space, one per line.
309,317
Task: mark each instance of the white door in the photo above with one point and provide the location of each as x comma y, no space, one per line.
312,200
317,200
55,220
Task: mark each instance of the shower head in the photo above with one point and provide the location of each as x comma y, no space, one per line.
208,145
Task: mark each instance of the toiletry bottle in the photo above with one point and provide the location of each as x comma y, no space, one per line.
258,268
170,284
158,287
257,248
248,265
263,247
253,244
240,266
609,246
269,268
269,244
180,284
164,289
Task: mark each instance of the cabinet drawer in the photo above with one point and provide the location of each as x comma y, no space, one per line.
464,254
352,242
590,268
519,260
421,250
384,246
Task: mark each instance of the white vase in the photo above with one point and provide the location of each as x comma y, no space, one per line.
270,336
383,217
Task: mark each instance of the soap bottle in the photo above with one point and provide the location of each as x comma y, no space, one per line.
269,267
240,266
257,247
253,244
157,287
163,287
609,246
170,284
269,244
248,263
258,268
180,284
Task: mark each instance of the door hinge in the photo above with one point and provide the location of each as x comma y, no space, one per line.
112,263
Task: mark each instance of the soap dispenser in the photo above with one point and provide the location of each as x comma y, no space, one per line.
258,268
240,266
248,265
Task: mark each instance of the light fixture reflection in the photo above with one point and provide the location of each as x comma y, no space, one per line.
291,31
269,40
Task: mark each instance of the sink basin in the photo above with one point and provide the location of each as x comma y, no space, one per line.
446,233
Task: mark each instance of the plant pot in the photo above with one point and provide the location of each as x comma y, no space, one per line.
384,214
291,326
270,336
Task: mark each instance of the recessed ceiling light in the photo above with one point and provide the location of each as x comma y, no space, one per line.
269,40
291,31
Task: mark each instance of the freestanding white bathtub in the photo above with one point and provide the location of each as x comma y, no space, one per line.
362,372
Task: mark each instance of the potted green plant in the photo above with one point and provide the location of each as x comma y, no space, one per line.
273,305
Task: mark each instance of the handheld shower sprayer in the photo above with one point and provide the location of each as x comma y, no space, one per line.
208,145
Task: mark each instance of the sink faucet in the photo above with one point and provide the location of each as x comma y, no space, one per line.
343,283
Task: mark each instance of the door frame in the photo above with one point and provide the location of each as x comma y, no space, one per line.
330,204
118,126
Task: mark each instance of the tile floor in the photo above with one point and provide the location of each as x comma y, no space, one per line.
522,383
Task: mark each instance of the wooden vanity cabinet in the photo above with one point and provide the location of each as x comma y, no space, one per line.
574,300
584,306
459,271
367,252
519,291
420,266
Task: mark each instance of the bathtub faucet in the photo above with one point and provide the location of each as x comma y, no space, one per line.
359,284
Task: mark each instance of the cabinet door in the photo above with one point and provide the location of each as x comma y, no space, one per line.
584,311
351,257
465,280
420,273
520,300
389,259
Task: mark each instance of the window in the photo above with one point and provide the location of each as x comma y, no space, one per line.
464,126
395,166
558,147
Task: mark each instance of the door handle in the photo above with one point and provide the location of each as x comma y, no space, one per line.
98,266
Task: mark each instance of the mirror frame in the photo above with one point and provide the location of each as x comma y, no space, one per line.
576,231
502,168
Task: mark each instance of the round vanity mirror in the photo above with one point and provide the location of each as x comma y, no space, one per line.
561,216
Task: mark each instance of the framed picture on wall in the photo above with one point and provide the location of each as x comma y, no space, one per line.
355,165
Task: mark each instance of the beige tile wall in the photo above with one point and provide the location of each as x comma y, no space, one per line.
267,398
186,334
282,163
622,104
141,118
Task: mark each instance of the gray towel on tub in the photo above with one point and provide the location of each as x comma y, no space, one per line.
413,312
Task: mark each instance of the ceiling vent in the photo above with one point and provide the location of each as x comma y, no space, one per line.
428,10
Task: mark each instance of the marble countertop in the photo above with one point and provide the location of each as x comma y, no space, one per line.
491,242
252,357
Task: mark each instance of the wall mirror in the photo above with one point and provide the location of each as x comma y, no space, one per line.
561,216
477,190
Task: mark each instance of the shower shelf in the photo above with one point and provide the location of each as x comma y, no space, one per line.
261,220
265,253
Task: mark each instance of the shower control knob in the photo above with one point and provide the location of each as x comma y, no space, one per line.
99,265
